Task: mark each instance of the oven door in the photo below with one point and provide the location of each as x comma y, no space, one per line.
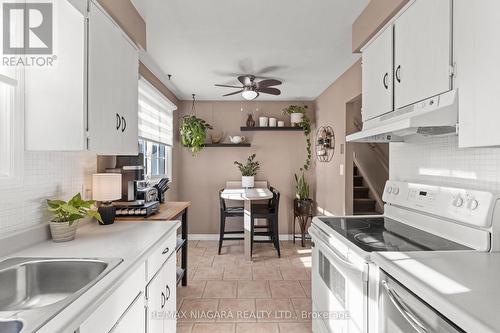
339,288
400,311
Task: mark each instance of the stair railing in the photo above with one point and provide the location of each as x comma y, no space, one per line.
371,186
379,154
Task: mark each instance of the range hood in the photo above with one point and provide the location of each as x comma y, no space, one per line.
435,116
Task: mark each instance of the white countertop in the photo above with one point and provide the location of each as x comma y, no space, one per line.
462,286
131,241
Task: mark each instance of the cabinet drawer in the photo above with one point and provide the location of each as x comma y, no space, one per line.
161,254
109,313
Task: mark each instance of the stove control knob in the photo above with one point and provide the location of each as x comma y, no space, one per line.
473,204
389,189
458,201
395,191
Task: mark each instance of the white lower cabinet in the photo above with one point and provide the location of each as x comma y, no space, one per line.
142,303
161,299
133,319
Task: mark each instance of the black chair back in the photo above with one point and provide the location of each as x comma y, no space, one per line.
274,203
222,201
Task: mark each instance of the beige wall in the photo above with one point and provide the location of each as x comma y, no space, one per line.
330,108
376,14
129,19
199,178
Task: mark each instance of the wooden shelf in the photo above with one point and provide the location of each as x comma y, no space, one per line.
248,129
227,145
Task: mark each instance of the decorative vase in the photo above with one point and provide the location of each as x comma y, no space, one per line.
216,137
247,181
63,231
272,122
263,121
296,118
250,121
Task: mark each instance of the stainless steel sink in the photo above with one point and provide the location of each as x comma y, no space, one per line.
34,290
11,326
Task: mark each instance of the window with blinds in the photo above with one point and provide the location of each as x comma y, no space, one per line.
155,114
155,131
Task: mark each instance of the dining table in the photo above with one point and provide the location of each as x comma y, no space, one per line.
247,195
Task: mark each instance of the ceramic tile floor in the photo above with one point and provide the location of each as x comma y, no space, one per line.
225,293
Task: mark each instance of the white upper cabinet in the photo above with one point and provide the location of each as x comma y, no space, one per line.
422,51
55,95
113,88
476,26
378,76
89,99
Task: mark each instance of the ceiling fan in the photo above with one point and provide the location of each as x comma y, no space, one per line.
251,89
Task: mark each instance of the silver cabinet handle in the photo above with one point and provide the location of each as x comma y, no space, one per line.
165,251
403,309
384,81
167,289
398,73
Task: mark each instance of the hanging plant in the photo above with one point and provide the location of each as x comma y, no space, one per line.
305,123
193,131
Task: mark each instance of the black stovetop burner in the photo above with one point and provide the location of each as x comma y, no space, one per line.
383,234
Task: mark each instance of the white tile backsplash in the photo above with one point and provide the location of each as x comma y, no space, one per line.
45,175
440,161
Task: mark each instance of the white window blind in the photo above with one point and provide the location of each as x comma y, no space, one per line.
155,114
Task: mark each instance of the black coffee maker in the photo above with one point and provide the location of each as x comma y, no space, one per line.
132,170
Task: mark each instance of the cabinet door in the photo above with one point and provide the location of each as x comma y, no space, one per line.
161,299
377,76
130,96
422,51
112,99
170,290
476,27
55,96
133,320
156,298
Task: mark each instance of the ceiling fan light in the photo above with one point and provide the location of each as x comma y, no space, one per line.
249,95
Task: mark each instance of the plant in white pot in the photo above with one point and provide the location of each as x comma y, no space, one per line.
296,113
248,171
66,215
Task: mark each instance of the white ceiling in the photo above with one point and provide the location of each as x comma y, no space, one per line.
304,43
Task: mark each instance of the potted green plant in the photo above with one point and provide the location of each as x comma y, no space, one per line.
193,132
248,171
303,203
67,214
298,117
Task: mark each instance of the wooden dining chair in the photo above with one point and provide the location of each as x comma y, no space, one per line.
268,212
225,212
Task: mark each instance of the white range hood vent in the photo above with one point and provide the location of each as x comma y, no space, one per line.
436,116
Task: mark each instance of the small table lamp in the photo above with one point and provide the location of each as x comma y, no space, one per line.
107,187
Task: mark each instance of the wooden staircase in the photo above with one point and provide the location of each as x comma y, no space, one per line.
362,203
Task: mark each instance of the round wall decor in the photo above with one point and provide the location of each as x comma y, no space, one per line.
325,144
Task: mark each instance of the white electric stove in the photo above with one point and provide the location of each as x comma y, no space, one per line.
417,217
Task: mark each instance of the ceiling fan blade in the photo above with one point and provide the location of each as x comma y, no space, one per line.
233,93
270,69
271,91
226,86
269,83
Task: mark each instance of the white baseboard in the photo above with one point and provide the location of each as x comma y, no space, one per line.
283,237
